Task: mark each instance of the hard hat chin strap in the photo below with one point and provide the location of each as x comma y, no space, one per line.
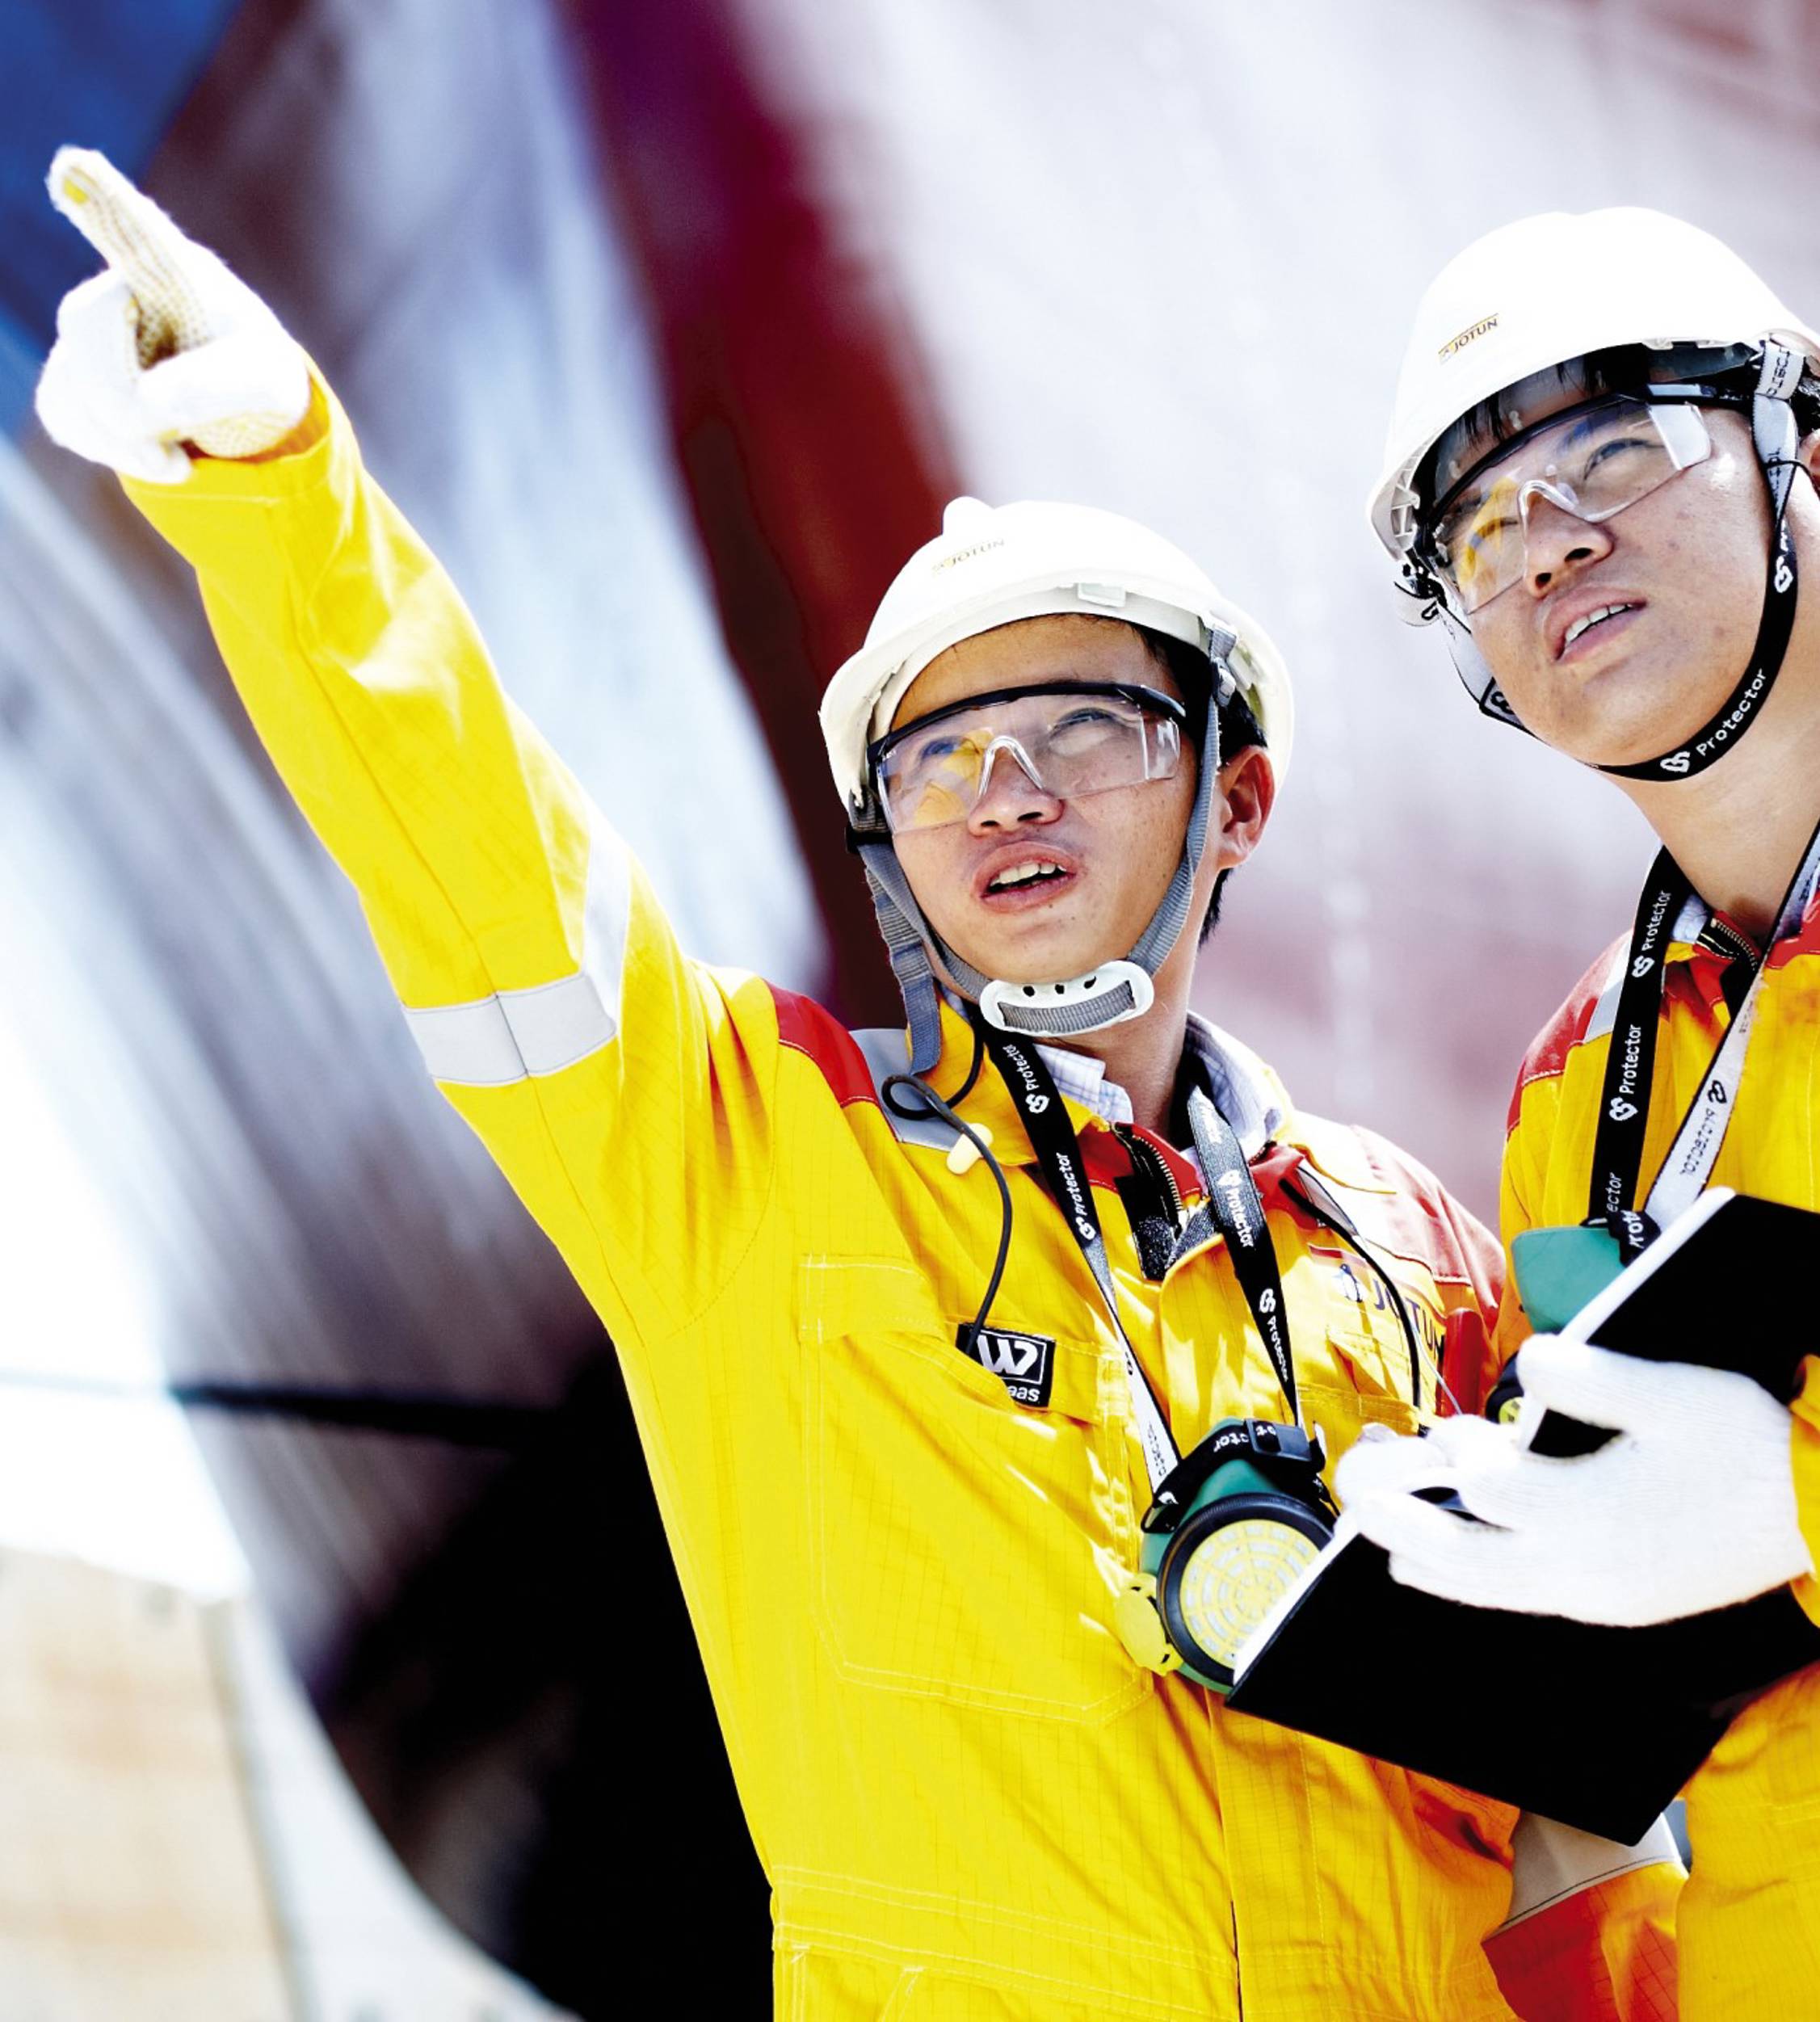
1106,995
1114,992
1776,435
910,942
922,962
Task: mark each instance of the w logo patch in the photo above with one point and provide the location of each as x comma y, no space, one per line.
1024,1363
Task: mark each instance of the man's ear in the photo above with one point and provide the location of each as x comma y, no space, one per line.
1248,788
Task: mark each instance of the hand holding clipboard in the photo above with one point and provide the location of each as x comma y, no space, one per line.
1610,1720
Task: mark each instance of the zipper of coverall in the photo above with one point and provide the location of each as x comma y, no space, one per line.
1235,1206
1154,1161
1332,1218
1718,938
1150,1177
1721,937
1145,1153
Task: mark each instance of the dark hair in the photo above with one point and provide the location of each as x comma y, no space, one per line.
1239,730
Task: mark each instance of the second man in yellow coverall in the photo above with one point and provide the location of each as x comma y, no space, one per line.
1601,480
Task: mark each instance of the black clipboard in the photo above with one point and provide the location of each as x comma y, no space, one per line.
1595,1726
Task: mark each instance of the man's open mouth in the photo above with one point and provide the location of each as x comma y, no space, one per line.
1581,626
1018,874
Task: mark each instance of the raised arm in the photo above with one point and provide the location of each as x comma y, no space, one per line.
532,961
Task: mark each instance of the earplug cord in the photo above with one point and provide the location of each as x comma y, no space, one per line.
935,1105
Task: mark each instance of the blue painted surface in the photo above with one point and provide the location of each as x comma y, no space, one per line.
109,73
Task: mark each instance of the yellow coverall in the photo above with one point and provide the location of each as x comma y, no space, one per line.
1749,1919
971,1805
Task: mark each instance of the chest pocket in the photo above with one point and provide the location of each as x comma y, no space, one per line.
965,1547
1355,1370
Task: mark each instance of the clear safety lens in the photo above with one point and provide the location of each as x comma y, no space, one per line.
1072,738
1592,463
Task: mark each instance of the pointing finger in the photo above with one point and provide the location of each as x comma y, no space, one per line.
116,217
136,239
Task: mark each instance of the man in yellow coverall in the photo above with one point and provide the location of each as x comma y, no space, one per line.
918,1434
1600,481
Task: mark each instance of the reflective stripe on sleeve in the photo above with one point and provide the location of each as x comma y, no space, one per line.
515,1034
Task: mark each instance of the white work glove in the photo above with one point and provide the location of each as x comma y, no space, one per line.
166,347
1690,1506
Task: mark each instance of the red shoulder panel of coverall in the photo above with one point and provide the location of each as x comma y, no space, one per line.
1807,942
1548,1050
803,1025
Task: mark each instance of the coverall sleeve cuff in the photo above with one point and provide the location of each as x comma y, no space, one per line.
306,459
277,505
1807,1456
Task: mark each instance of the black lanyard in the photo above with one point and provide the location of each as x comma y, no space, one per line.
1237,1208
1714,738
1623,1100
1234,1202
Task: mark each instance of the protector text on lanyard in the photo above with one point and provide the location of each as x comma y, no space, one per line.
1234,1202
1624,1102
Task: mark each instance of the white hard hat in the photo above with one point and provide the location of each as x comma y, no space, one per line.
991,565
1553,287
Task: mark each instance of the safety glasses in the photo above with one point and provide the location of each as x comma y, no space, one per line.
1591,461
1070,737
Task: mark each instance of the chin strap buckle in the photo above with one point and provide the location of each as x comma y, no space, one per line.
1114,992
